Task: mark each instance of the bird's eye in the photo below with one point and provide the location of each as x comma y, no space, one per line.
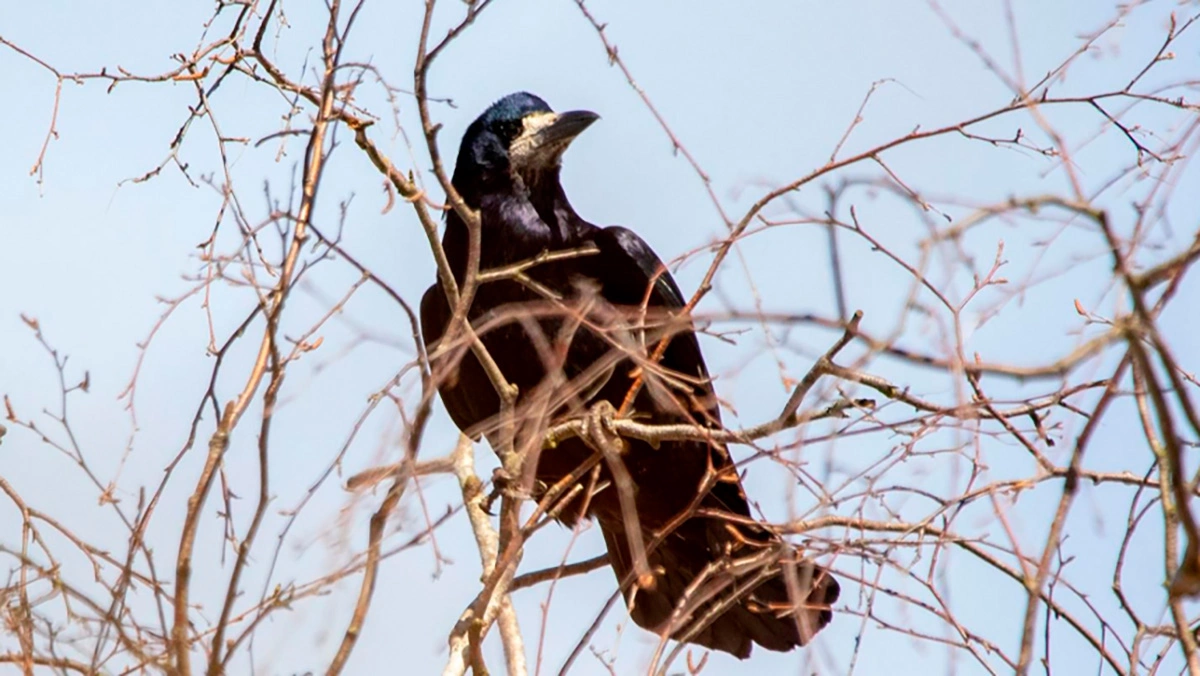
510,129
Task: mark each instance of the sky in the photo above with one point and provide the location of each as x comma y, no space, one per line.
759,95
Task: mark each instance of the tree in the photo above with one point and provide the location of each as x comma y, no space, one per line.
994,456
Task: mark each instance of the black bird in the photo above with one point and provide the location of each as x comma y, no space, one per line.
566,333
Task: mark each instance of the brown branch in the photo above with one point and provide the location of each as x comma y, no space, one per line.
557,572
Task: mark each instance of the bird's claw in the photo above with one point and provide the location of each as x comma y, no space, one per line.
504,484
599,430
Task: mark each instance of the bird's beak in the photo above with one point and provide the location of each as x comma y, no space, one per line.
546,137
564,127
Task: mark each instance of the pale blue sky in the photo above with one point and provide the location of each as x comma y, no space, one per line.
759,95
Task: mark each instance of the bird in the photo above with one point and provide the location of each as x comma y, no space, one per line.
573,321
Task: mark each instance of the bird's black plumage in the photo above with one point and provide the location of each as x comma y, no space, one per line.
563,335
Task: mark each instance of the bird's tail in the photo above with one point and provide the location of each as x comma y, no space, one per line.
725,586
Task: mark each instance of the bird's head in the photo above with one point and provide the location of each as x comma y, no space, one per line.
518,136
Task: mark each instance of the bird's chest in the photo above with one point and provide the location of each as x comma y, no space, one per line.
544,321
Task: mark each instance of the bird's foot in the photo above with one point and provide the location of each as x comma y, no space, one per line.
505,484
599,431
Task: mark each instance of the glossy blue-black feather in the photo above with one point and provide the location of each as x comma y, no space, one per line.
562,366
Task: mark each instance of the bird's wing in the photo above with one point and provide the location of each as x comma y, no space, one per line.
625,267
633,263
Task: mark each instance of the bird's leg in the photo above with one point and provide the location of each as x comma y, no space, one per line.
500,479
600,434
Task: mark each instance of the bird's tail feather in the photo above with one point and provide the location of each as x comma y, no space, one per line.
719,587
